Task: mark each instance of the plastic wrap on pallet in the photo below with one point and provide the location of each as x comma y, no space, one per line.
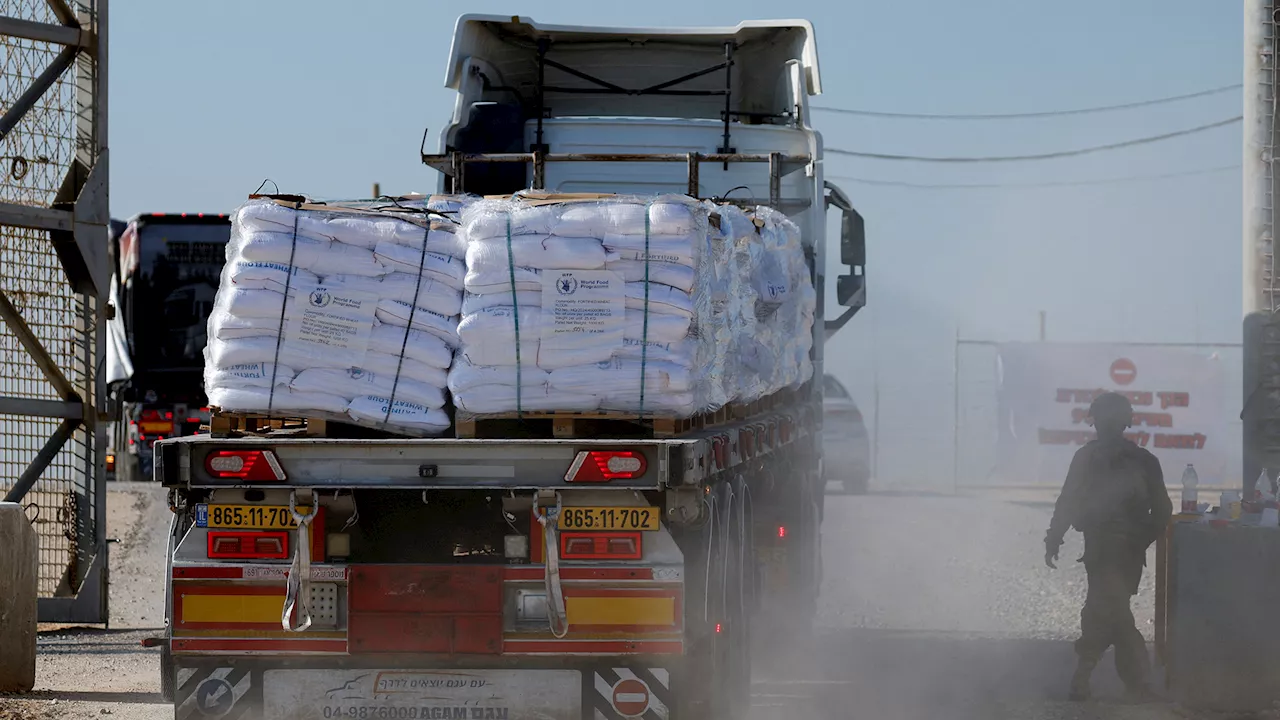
348,309
774,307
611,303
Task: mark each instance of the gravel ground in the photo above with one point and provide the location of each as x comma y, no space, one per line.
941,607
95,672
955,565
933,607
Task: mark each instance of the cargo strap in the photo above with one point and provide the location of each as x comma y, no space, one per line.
297,589
515,309
557,615
284,306
413,309
644,335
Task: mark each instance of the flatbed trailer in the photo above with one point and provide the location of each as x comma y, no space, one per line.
563,576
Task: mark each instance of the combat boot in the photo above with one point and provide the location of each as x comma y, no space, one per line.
1080,690
1141,694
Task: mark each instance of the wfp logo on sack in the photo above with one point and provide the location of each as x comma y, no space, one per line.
319,298
567,284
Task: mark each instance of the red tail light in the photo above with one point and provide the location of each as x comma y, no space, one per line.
782,532
251,465
606,465
237,545
600,546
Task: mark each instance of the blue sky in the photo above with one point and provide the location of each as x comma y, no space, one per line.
208,99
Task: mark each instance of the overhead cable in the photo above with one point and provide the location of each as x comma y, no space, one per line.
1058,183
1042,114
1039,156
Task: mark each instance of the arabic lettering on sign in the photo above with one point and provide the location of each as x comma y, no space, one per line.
1139,399
1045,389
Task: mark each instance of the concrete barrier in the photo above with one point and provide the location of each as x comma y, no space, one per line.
19,558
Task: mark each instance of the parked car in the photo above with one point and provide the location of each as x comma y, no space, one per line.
846,449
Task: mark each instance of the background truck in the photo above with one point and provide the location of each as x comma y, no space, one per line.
484,577
165,277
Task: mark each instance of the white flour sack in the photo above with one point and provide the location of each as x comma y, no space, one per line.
607,295
343,306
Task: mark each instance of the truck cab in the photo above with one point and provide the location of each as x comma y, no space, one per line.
166,276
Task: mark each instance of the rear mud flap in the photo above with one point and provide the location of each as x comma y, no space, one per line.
216,692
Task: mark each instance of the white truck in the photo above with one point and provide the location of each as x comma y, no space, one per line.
488,578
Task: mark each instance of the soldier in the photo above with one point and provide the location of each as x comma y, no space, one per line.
1115,495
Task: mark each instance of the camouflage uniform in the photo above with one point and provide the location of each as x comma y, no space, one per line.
1115,495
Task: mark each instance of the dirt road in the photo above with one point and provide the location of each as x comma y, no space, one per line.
94,673
933,607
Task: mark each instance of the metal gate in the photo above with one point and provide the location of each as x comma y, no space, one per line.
54,276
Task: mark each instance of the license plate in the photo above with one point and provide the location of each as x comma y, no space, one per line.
247,517
422,694
609,518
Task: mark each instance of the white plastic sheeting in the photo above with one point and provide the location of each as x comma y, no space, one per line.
637,304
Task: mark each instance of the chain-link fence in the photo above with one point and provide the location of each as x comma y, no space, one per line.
34,160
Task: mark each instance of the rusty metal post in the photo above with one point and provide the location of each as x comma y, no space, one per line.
539,170
775,179
694,162
456,175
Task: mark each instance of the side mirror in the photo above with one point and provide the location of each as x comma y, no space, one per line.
851,287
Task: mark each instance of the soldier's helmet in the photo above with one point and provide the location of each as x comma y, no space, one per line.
1111,406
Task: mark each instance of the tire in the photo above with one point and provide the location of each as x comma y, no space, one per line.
717,682
168,678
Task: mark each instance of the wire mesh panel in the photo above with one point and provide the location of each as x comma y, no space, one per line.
34,159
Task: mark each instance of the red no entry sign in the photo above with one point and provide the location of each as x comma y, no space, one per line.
1123,371
631,698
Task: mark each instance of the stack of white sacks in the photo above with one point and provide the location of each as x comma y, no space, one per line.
570,303
369,324
660,305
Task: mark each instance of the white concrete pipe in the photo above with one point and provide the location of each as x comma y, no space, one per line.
19,558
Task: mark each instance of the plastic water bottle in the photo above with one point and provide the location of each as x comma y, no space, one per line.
1190,493
1262,491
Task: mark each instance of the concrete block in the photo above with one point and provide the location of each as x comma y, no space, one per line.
19,559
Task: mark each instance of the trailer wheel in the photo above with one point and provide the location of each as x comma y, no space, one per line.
168,678
717,680
732,681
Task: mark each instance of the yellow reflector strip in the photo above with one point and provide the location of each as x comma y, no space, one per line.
659,611
232,608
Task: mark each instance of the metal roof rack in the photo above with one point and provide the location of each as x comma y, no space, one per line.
454,166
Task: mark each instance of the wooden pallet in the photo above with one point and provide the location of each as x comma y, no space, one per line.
316,425
224,424
585,425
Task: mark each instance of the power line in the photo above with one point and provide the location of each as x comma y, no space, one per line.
1060,183
1046,113
1041,156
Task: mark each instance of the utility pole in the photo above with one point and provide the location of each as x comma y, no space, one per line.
1261,411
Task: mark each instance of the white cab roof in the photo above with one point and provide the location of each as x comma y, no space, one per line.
507,43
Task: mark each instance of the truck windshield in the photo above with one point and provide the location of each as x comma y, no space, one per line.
172,293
